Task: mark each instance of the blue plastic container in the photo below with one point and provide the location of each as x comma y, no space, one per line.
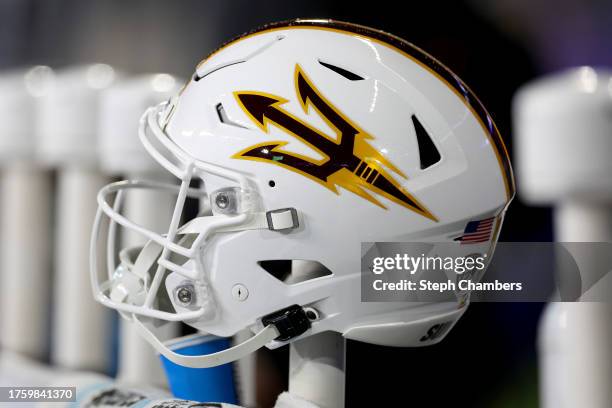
215,384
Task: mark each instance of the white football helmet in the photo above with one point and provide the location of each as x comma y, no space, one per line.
308,138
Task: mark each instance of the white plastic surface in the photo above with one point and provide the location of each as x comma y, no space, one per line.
563,142
92,389
576,338
317,369
17,140
25,261
563,126
121,105
66,135
288,400
575,361
245,373
19,371
81,331
67,115
409,333
25,218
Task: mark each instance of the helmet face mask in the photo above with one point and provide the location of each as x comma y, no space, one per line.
307,139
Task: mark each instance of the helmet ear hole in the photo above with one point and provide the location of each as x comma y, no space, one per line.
272,183
293,271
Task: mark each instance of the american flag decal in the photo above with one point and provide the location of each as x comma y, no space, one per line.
477,231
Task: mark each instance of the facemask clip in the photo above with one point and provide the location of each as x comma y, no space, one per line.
290,322
282,219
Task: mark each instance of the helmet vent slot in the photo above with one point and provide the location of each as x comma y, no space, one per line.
428,152
223,118
351,76
293,271
197,77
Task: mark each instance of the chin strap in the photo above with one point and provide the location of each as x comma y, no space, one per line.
259,340
282,325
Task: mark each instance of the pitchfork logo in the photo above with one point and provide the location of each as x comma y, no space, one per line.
348,160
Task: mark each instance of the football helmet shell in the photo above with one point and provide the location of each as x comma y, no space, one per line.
309,138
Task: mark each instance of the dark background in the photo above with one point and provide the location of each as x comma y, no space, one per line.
489,360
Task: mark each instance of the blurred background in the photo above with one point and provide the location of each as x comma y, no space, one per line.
489,360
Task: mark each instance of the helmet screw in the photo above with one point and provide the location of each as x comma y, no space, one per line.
222,201
311,313
185,295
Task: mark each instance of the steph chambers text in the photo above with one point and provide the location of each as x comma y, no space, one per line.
449,285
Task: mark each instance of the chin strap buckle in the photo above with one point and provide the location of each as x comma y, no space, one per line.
290,322
282,219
